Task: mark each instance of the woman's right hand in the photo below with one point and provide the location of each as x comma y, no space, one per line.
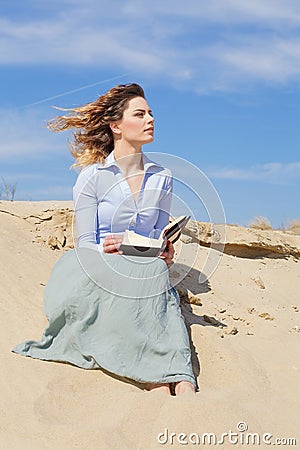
112,243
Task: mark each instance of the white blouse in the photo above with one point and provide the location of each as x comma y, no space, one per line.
104,203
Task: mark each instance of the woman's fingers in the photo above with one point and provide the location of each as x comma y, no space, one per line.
168,254
114,238
168,261
110,249
112,243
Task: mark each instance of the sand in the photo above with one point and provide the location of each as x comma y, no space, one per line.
244,324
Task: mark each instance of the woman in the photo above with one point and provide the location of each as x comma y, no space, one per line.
106,310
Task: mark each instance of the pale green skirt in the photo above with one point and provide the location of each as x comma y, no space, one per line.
116,313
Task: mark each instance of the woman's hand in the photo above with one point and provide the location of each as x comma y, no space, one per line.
168,254
112,243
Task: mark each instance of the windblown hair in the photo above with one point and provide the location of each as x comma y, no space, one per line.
93,139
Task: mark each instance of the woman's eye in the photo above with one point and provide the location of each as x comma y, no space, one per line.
140,114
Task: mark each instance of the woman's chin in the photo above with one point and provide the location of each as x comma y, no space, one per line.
149,139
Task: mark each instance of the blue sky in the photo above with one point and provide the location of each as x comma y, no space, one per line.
222,78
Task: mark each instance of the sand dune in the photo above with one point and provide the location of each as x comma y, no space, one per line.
243,322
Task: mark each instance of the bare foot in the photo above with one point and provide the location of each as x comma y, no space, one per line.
158,387
184,387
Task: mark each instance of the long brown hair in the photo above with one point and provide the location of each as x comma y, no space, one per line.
93,138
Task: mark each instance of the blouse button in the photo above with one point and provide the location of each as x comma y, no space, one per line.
133,221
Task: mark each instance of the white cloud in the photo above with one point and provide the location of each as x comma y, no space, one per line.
203,45
274,59
274,172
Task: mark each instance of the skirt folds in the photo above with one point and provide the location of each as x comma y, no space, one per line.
117,313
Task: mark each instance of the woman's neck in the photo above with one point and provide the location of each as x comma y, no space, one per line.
129,158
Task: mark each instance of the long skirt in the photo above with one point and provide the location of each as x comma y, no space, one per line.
117,313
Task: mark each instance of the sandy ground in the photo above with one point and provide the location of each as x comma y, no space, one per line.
244,327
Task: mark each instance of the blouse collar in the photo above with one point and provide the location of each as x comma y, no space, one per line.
110,161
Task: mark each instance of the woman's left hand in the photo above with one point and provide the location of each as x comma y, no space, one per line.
168,254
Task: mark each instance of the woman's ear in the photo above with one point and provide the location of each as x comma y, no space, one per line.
114,126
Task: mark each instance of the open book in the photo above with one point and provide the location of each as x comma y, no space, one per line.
137,245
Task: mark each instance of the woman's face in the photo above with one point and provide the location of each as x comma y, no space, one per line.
137,124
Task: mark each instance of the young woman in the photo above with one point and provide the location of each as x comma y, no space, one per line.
107,310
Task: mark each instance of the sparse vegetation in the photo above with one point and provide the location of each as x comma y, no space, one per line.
293,226
7,190
261,223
